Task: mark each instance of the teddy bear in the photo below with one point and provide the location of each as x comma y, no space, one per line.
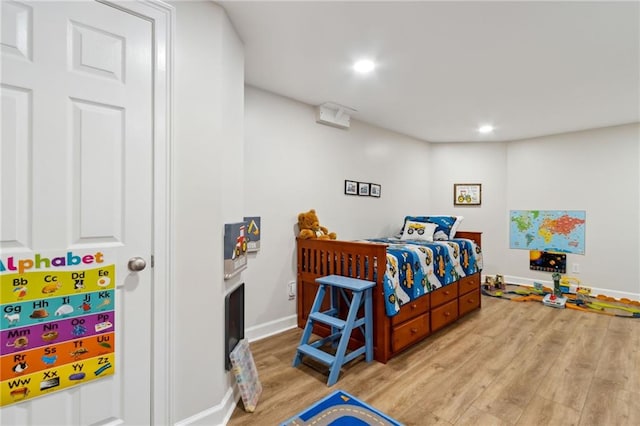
309,225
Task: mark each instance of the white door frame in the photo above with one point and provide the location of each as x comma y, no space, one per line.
162,17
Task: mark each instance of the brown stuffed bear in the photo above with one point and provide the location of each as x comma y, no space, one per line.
310,227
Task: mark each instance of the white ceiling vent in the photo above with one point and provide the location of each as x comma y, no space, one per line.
335,115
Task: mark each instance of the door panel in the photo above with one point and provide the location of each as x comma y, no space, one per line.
16,30
15,181
76,158
98,148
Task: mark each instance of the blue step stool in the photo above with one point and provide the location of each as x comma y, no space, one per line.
340,329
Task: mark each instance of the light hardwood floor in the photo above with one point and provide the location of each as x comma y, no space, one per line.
509,363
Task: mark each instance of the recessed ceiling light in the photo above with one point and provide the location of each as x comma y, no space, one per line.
364,66
487,128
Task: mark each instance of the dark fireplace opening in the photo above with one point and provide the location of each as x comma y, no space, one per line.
233,322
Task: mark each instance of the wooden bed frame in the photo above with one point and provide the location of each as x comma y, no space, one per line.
416,319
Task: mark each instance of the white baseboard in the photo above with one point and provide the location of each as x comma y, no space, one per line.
229,407
594,290
270,328
217,415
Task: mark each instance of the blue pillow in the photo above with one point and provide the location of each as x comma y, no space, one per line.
446,226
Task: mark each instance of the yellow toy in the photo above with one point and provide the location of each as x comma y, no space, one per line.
309,225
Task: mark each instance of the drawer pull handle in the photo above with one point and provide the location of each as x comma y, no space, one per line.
413,306
414,330
471,301
446,314
446,293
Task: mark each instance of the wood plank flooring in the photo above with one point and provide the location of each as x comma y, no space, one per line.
507,364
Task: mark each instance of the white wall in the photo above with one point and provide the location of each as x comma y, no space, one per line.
293,164
208,191
595,171
482,163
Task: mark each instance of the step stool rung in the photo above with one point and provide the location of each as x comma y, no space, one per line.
354,284
327,319
318,354
359,323
354,354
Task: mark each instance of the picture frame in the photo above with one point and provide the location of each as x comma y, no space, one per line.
350,187
467,194
363,189
375,190
253,233
236,246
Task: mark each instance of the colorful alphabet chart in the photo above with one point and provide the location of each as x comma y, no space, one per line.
58,323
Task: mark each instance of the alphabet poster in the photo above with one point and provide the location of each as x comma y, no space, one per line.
58,323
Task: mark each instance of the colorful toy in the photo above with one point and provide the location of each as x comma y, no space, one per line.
555,299
584,302
491,283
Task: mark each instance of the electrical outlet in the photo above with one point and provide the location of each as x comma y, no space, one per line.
292,290
575,268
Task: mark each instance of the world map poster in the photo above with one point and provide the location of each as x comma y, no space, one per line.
547,230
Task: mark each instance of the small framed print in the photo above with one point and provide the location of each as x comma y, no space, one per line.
350,187
467,194
374,190
363,189
235,248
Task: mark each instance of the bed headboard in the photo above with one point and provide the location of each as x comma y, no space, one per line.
476,237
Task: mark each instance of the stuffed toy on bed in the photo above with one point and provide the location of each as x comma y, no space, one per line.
309,225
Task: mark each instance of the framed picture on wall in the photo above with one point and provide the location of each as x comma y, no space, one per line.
374,190
235,248
467,194
350,187
363,189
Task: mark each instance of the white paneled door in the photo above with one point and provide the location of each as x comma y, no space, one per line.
76,163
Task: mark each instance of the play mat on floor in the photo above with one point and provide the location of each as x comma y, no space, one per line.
599,304
340,408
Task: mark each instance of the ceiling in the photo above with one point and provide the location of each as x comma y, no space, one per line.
444,68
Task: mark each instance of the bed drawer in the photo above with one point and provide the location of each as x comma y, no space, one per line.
468,302
412,309
468,284
444,294
410,332
444,315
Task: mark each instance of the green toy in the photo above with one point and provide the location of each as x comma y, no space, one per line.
556,284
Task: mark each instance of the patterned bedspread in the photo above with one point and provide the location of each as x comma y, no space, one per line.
415,268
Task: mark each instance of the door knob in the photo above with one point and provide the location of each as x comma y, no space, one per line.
136,264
